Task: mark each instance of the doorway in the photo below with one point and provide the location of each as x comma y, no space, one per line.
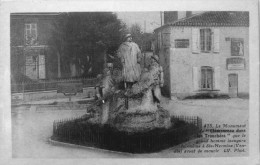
233,85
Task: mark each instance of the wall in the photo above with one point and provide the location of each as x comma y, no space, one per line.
47,95
44,26
17,31
182,61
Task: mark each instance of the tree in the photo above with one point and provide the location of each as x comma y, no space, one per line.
136,33
83,39
142,39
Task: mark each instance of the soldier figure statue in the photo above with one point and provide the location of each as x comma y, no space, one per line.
130,56
156,72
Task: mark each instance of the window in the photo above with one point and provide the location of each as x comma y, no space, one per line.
181,43
205,40
206,78
30,33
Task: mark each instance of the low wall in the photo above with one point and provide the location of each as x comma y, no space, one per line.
45,95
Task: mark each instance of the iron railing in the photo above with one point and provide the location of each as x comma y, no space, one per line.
79,131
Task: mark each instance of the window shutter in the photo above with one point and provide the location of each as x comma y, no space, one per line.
160,40
42,74
195,77
217,77
216,41
195,40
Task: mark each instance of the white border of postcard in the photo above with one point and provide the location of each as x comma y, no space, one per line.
7,7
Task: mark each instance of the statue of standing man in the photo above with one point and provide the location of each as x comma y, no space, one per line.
130,56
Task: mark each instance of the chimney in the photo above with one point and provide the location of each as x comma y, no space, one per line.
188,14
170,16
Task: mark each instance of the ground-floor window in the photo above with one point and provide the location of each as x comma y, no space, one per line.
207,77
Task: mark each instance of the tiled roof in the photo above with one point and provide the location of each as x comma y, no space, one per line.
214,18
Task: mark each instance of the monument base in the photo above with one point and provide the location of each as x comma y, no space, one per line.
142,121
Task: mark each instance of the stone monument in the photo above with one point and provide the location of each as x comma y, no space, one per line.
132,109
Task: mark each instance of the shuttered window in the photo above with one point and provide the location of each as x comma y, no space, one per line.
205,40
206,78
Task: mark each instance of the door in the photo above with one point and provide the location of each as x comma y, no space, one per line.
233,85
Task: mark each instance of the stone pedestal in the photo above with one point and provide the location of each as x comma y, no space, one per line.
141,115
141,121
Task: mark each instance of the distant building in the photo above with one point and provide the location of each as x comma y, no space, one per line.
30,33
205,53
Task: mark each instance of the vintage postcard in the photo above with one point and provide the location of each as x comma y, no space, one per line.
92,80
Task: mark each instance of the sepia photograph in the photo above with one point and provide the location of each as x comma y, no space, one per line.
173,83
132,84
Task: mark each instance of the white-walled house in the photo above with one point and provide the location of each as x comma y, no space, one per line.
206,53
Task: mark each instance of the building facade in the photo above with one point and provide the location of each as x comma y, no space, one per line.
30,52
206,53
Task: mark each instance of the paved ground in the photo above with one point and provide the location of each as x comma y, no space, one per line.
32,128
210,110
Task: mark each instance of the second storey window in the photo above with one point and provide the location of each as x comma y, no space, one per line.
30,33
205,40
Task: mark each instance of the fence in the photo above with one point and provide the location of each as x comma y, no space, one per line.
47,85
78,131
195,120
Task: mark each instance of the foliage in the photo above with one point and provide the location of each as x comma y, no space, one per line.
84,38
142,39
137,34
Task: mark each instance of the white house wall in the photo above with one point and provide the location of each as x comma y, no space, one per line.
182,61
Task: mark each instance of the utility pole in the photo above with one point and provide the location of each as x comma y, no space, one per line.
144,26
161,17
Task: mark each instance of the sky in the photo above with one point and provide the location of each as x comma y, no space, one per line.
147,20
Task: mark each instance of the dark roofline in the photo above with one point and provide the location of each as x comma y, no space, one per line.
175,23
182,19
